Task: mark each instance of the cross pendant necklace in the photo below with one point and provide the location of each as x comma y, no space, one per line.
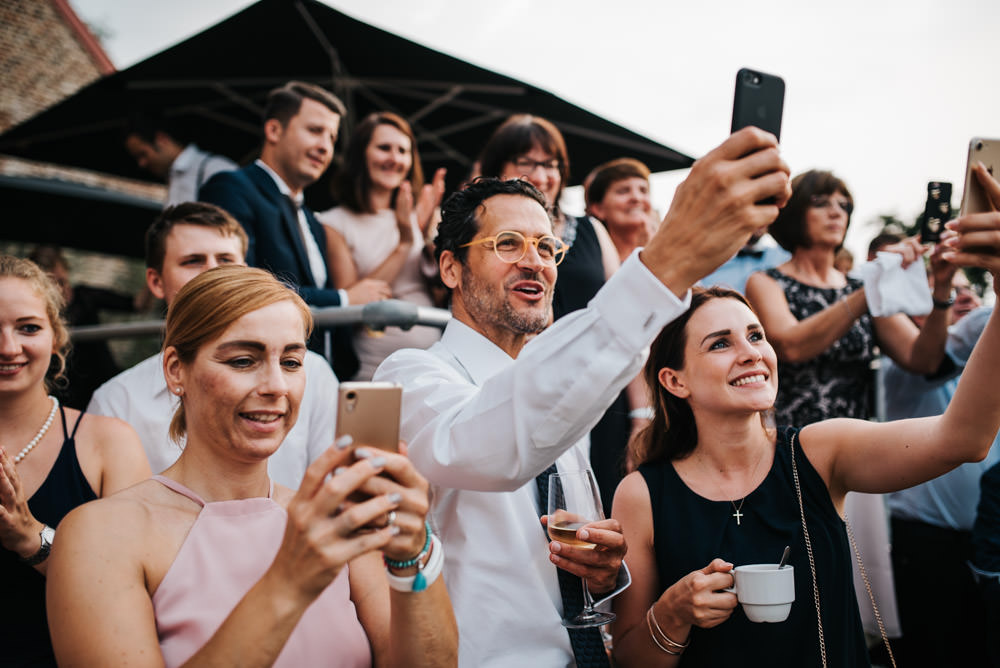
738,514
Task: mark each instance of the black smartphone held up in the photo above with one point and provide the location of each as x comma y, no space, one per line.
758,101
937,212
369,412
974,197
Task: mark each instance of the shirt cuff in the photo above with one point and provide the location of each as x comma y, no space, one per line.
621,584
344,301
634,295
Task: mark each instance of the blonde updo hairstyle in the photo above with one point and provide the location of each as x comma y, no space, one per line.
209,303
45,288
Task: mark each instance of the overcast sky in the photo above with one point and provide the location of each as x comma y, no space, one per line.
886,94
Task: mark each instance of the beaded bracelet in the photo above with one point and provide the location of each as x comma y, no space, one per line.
400,565
427,573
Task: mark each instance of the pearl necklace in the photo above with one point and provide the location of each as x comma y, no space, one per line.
41,432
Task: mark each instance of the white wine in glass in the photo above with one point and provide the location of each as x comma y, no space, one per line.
575,501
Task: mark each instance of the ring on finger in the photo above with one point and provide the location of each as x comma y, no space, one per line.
390,518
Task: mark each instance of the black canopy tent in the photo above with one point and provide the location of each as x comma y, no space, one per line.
211,88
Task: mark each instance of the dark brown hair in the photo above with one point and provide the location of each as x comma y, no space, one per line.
789,229
284,103
518,135
673,433
353,182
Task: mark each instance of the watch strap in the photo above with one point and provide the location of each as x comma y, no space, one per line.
946,304
46,535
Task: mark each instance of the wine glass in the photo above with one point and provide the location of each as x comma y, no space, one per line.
574,500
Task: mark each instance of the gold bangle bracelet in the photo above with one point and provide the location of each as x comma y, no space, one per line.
652,623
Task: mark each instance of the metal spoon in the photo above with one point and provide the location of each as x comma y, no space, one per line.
784,557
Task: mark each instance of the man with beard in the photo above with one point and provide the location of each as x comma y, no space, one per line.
485,411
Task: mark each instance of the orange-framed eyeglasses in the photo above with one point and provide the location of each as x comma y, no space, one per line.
511,246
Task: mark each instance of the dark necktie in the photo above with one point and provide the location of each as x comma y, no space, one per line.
588,645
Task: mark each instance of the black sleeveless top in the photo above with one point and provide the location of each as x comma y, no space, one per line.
24,630
581,273
689,531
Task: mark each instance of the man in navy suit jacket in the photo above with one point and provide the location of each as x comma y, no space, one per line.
301,122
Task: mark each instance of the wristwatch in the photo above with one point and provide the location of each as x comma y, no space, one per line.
46,534
943,305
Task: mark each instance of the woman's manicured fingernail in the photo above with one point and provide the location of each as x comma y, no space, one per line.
377,462
339,470
394,530
363,453
395,498
343,442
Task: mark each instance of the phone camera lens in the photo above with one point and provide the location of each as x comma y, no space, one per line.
979,146
755,80
351,396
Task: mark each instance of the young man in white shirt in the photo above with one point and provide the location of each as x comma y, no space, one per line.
485,411
182,242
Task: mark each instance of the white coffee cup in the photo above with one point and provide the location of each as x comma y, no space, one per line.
765,591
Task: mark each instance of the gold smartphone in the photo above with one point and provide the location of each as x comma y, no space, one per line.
974,197
369,412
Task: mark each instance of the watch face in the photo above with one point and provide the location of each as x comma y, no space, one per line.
47,534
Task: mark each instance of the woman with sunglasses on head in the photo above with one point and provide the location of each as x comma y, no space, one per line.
532,148
382,227
817,318
212,564
52,458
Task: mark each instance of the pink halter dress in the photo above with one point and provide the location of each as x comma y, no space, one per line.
228,549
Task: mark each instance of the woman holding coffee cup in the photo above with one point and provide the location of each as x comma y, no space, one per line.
718,485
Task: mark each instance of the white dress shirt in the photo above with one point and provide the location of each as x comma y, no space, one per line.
481,426
139,396
190,170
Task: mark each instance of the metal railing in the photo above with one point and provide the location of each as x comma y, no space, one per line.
376,315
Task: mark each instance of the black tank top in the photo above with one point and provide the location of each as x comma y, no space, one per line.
581,273
24,630
689,531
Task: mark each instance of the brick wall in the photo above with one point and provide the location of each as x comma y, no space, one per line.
42,59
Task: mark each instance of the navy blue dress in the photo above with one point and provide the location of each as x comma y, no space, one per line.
24,629
689,531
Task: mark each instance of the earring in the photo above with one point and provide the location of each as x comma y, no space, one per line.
178,391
